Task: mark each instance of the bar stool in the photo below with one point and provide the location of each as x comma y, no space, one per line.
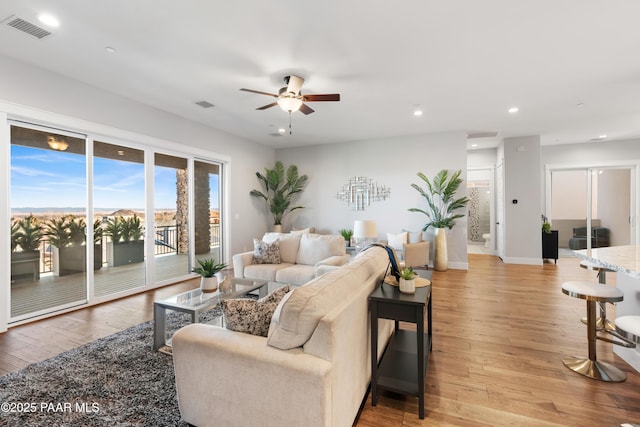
602,323
590,366
629,328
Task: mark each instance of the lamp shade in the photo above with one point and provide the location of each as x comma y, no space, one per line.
365,229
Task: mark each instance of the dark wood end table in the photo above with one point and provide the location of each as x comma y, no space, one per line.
403,366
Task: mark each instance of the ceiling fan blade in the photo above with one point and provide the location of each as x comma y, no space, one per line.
295,84
325,97
259,92
306,109
264,107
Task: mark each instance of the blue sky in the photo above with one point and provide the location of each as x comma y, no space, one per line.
45,178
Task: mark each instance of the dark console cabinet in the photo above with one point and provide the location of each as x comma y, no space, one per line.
550,245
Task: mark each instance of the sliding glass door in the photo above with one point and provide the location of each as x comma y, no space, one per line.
119,212
171,213
207,210
48,194
591,207
80,209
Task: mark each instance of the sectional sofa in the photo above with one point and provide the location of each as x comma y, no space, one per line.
313,369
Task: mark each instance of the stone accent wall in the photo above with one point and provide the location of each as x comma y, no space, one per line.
202,211
182,210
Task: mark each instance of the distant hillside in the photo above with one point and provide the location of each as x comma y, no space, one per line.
124,212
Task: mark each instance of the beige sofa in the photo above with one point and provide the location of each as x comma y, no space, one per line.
312,370
301,254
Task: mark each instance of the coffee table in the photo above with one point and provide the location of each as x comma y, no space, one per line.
196,302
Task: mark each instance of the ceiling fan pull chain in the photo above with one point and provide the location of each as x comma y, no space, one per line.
290,130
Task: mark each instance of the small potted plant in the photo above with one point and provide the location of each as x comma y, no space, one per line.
208,269
347,234
407,280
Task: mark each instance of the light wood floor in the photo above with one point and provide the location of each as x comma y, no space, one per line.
500,334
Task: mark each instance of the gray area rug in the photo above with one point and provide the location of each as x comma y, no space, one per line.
114,381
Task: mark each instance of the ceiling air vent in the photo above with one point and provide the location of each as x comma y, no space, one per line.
28,27
204,104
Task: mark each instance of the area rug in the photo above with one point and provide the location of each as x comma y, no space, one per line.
117,380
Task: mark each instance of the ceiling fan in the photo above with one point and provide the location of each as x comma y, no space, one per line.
290,99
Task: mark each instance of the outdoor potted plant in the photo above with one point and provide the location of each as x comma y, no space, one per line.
126,245
441,209
26,235
209,270
68,237
280,189
407,280
347,234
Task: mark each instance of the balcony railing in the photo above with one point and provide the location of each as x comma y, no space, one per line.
166,239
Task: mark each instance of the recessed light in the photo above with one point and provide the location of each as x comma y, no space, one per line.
513,110
602,137
120,152
282,130
474,145
417,113
109,49
49,20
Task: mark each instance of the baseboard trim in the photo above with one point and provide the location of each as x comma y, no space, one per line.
527,261
458,265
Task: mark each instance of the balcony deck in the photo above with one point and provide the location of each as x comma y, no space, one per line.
30,296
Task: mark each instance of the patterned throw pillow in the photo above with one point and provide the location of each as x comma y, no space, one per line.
266,253
252,316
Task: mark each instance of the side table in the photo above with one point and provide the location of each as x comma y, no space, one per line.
404,363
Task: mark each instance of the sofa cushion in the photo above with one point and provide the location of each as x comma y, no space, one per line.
297,274
316,247
264,271
289,244
252,316
266,253
298,314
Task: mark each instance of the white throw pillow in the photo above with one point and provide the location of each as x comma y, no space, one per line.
414,236
316,247
289,244
397,241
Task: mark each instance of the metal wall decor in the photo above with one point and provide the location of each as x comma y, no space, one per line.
360,191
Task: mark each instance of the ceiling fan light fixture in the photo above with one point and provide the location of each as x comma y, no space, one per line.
290,103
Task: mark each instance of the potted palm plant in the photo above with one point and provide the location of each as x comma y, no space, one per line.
26,235
68,237
209,270
441,209
280,189
126,245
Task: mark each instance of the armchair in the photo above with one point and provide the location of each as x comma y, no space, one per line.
416,254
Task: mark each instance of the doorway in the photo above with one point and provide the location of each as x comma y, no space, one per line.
480,230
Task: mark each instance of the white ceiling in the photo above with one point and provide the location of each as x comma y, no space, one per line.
464,62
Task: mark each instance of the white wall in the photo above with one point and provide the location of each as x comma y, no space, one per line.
522,238
393,162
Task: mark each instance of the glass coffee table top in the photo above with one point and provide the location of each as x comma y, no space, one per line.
195,302
198,300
